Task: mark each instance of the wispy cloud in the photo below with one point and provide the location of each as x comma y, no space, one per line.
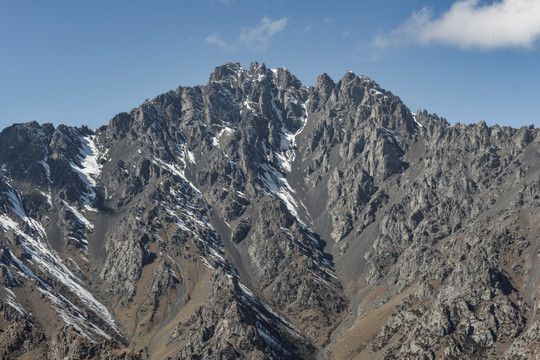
226,2
215,39
257,38
470,24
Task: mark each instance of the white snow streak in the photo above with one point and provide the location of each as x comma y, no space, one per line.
79,216
416,121
276,183
46,167
47,259
89,170
174,169
12,300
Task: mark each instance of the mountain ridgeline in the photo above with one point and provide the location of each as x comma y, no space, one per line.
257,218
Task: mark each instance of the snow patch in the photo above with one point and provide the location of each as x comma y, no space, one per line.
225,131
283,162
248,104
6,223
190,156
48,197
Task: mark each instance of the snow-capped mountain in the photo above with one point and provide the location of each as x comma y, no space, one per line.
254,217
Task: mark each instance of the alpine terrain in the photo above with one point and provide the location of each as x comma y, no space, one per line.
254,217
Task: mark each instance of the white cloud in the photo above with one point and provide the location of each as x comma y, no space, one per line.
470,24
215,39
257,38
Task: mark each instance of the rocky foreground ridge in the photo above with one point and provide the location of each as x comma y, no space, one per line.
257,218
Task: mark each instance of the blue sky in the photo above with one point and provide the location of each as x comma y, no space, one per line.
81,62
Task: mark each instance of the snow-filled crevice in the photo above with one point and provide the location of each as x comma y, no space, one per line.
88,169
276,184
46,167
416,121
287,151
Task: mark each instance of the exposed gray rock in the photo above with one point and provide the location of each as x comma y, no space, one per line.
253,217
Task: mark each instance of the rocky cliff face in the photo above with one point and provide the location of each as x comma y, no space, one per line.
253,217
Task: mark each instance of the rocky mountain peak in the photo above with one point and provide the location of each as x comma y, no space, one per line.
254,217
324,85
223,72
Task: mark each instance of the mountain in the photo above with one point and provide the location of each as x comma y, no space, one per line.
254,217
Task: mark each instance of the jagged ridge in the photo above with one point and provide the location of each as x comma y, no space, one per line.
255,217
